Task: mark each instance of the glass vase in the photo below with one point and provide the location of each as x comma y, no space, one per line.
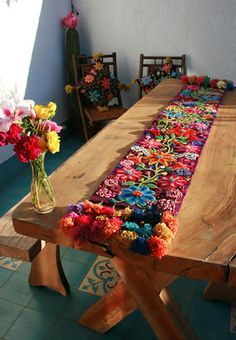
42,194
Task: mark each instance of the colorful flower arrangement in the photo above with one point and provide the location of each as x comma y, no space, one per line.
99,86
155,76
29,128
137,204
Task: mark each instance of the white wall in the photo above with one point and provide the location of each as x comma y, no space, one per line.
32,54
204,30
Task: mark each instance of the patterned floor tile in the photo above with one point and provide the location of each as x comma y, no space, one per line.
233,320
101,277
9,263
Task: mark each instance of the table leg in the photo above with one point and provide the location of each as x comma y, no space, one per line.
157,305
47,270
220,292
109,310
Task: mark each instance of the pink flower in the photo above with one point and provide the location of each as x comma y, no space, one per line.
48,126
150,143
70,21
11,112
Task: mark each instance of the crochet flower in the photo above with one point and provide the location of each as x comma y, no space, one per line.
70,21
139,196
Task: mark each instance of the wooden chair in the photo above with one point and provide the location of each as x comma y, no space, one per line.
90,115
150,64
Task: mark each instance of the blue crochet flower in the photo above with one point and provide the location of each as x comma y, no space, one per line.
139,196
139,245
146,80
94,96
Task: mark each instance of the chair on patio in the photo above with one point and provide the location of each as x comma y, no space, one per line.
149,65
96,80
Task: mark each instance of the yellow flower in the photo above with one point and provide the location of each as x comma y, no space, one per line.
42,112
53,141
97,55
98,66
52,108
68,89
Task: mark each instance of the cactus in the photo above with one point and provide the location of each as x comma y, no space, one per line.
72,46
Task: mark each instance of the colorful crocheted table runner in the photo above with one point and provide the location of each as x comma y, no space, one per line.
137,204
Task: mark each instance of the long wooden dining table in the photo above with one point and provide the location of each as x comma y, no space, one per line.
204,246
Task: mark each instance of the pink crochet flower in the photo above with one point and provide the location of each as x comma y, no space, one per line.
70,21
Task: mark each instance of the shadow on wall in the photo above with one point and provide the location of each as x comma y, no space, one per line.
47,77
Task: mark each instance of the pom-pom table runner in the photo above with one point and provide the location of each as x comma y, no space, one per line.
137,204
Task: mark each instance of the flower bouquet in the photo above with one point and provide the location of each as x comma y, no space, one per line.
29,128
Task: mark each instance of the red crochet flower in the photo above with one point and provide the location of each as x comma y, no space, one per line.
157,246
27,148
172,181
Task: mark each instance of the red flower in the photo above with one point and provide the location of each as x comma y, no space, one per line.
184,79
172,181
13,135
128,174
27,148
105,82
157,246
3,139
181,131
200,80
213,83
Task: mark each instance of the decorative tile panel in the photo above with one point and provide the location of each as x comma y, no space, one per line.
9,263
101,277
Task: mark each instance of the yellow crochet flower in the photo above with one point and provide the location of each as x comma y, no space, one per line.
68,89
97,55
53,141
161,230
98,66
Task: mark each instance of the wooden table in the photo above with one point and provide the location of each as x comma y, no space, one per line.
204,246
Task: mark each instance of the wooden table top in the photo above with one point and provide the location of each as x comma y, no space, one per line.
205,243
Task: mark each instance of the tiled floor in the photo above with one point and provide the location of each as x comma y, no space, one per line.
31,313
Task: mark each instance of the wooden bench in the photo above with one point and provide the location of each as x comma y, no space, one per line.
15,245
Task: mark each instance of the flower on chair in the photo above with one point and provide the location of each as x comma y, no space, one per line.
99,86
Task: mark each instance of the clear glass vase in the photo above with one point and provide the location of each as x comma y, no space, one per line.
42,194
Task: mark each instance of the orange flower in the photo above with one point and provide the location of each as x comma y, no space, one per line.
160,157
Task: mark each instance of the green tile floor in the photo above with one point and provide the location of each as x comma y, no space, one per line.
33,313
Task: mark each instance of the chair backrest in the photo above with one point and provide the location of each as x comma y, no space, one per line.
150,64
82,65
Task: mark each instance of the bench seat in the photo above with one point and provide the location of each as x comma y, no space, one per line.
15,245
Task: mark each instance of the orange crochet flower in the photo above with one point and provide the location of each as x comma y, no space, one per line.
160,157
